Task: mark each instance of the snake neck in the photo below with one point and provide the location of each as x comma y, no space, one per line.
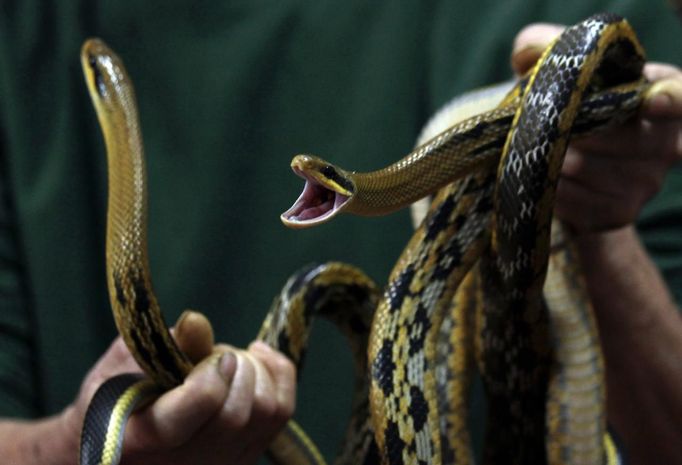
465,135
135,307
467,147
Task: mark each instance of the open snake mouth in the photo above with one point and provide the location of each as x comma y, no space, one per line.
316,204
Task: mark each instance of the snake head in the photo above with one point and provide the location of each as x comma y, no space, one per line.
108,83
327,191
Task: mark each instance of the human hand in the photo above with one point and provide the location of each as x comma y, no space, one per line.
228,409
606,179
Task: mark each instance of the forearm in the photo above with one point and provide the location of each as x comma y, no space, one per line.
48,441
641,332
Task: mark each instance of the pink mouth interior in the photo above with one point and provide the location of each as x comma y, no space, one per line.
315,204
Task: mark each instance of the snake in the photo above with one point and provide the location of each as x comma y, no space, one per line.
336,291
485,244
416,325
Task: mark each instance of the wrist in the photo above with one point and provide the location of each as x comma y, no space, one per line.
69,423
632,303
640,328
52,441
625,285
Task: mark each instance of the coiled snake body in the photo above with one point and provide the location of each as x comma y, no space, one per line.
463,259
546,397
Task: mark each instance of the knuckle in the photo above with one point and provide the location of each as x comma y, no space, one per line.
285,411
265,407
237,418
285,368
209,396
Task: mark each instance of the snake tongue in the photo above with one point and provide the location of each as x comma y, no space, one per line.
316,204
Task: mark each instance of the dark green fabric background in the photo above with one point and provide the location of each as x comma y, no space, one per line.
228,92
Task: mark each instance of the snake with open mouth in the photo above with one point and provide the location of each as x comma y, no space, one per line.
484,247
538,352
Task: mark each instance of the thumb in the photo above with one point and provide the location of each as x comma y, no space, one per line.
530,43
194,335
663,100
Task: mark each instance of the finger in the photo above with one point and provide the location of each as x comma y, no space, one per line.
194,335
179,413
283,373
584,210
264,405
280,387
234,428
638,139
655,71
236,410
268,414
663,100
529,44
626,180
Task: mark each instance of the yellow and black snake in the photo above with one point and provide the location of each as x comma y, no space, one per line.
542,370
335,291
422,335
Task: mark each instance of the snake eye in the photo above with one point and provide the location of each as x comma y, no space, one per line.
97,76
329,172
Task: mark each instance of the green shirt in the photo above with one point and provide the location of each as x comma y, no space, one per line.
228,93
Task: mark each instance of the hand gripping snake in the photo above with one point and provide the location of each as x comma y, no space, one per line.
419,349
538,355
334,291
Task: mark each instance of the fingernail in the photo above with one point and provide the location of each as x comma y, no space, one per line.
227,365
659,101
662,96
528,48
183,316
523,58
261,346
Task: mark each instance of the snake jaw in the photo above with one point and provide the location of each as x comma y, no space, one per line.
323,196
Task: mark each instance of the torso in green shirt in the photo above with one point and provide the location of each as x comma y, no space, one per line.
228,92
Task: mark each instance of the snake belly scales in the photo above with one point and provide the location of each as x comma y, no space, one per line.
467,291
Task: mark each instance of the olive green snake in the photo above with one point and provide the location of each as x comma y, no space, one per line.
420,342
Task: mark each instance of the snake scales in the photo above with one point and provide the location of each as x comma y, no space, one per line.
484,247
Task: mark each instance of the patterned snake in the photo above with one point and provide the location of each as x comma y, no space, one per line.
420,340
485,244
136,310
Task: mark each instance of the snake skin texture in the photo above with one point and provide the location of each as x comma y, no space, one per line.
515,333
345,296
471,145
469,290
419,293
335,291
